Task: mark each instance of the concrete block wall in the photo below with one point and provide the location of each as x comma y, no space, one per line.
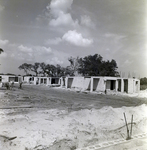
86,84
78,82
101,85
98,83
130,86
5,78
136,85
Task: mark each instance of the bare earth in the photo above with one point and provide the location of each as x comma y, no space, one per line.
45,118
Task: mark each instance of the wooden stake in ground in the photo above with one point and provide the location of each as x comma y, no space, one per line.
128,136
131,126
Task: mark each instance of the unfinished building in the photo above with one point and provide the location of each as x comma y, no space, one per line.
9,78
47,80
103,84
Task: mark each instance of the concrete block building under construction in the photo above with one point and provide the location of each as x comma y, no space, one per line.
91,84
102,84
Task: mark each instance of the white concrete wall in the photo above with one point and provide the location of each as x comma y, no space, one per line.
5,78
101,85
130,86
136,85
86,84
78,82
63,81
26,79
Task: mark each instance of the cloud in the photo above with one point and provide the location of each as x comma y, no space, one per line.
54,60
86,20
36,53
59,6
42,49
76,38
3,42
1,8
114,36
25,49
55,41
63,19
128,62
59,13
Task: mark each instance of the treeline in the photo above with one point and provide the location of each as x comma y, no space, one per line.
92,65
143,81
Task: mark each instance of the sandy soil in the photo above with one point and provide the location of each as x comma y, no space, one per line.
45,118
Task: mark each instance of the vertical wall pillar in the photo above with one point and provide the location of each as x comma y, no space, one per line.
134,86
47,81
34,80
39,81
66,82
116,85
61,81
122,85
91,88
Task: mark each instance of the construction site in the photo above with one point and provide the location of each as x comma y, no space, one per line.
49,117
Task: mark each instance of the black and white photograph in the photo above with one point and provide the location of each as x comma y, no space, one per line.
73,75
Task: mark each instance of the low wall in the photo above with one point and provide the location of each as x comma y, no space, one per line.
86,84
78,82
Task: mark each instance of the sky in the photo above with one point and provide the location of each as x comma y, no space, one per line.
51,31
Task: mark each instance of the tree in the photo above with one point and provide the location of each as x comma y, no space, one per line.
43,69
60,71
109,68
26,67
143,81
90,65
35,68
53,70
68,71
95,66
1,50
74,65
50,70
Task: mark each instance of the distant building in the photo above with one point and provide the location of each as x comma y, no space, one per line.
47,80
9,78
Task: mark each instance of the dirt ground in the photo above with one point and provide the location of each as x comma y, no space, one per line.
45,118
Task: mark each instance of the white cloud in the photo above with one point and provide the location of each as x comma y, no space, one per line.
1,8
128,62
25,49
76,38
59,6
44,49
3,42
63,19
114,36
60,15
55,41
54,61
86,20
